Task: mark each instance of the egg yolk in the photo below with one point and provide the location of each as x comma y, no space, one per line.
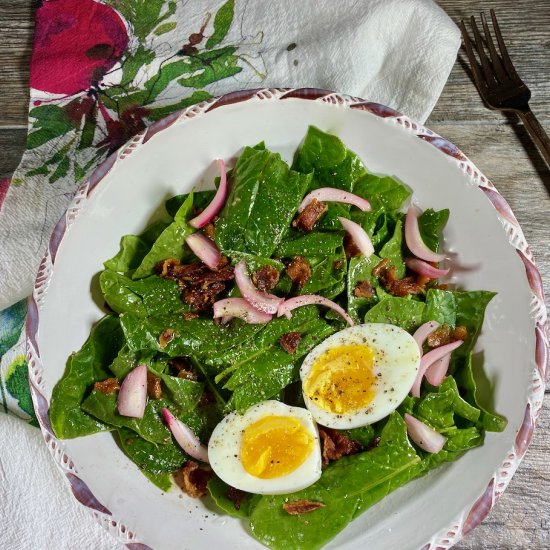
342,380
275,446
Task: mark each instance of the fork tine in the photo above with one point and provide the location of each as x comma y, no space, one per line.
508,65
478,77
488,72
497,64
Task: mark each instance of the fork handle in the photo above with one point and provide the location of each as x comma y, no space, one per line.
537,133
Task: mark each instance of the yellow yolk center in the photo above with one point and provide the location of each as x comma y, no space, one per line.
341,380
274,446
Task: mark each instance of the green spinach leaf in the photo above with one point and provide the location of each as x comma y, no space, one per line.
84,367
170,243
403,312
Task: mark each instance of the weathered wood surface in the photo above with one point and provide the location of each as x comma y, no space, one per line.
497,145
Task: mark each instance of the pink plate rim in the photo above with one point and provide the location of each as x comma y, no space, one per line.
498,482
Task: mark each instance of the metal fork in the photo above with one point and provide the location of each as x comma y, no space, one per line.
497,81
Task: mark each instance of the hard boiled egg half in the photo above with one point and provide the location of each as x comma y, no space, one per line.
270,449
359,375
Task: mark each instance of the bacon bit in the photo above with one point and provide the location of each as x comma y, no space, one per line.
381,266
289,342
299,271
310,215
183,368
338,264
336,445
166,337
193,479
236,495
108,386
422,280
363,289
460,333
403,287
200,285
397,287
154,388
265,278
350,247
297,507
445,335
210,230
188,316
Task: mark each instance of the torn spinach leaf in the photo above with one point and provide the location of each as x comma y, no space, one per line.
431,224
151,457
201,199
170,243
150,296
150,427
200,337
314,243
393,250
134,248
440,307
403,312
492,422
360,269
84,367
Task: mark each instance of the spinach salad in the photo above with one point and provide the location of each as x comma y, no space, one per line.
183,319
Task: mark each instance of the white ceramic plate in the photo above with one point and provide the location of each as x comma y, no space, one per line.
175,155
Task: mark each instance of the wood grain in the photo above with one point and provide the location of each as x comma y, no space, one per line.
12,145
16,26
497,145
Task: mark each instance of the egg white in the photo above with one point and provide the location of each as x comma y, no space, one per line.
396,363
224,451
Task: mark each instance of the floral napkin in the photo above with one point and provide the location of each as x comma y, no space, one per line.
103,70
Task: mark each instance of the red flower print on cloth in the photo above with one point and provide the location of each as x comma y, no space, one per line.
76,43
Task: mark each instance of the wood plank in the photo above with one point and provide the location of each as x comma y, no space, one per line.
16,29
12,145
524,25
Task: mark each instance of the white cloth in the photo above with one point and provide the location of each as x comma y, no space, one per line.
395,52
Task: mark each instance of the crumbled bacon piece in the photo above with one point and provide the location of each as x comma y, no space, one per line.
297,507
193,479
403,287
338,264
460,333
154,387
166,337
189,316
266,278
299,271
236,495
200,285
289,341
350,247
183,368
381,266
210,230
336,445
446,335
388,277
363,289
108,386
310,215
